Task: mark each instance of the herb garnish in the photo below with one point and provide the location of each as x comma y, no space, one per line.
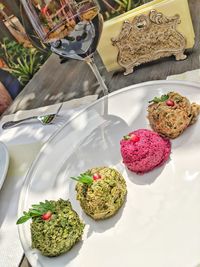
132,137
126,137
36,211
163,98
84,178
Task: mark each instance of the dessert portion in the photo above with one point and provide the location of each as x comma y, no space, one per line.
101,192
171,114
143,150
55,227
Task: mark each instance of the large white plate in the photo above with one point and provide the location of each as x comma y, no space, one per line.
159,225
4,162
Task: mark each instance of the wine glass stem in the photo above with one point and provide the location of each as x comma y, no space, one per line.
95,70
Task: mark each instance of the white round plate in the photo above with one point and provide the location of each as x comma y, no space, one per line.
159,224
4,162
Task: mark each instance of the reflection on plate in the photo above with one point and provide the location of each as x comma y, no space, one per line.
4,161
159,224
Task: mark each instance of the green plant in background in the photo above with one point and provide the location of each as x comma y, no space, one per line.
22,62
113,8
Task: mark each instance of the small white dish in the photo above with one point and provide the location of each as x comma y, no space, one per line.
4,162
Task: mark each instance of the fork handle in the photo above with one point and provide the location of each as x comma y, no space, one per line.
9,124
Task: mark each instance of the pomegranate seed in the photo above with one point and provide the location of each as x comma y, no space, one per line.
96,176
47,216
170,103
134,138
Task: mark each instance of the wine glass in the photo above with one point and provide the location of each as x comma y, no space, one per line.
72,28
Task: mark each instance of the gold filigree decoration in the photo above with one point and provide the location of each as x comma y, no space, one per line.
147,38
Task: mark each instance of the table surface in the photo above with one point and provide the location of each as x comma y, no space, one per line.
56,82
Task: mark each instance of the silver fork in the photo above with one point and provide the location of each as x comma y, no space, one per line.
45,119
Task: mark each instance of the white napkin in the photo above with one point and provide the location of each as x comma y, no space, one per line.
23,144
192,76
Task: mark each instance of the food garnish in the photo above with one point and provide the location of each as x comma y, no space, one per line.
96,176
156,99
132,137
85,178
170,103
43,210
47,216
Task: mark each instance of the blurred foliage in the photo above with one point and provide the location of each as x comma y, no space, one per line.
1,6
113,8
22,62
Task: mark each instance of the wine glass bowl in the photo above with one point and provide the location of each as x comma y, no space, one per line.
72,28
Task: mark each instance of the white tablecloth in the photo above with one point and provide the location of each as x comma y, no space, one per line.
24,143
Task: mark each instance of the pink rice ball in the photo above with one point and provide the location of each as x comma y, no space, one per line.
145,151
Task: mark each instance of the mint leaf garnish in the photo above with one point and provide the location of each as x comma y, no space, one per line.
36,210
126,137
84,178
163,98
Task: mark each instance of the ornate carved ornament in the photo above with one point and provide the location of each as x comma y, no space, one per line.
147,38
